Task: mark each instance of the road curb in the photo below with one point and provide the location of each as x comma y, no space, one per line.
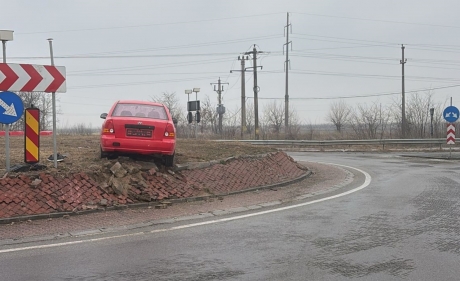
437,157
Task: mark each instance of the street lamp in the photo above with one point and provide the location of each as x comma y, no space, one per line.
196,90
6,35
188,92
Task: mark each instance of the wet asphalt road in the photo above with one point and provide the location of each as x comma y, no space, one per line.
404,226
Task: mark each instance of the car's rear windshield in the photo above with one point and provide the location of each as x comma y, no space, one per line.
140,110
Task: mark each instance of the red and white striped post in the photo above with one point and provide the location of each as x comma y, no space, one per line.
450,136
450,133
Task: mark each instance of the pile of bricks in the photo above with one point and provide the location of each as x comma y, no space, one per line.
47,193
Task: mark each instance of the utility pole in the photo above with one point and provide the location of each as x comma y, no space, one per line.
256,89
403,125
288,28
220,107
243,94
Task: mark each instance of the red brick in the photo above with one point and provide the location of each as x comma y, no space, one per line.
51,204
66,206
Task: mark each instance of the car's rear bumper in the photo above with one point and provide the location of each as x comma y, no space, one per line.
137,146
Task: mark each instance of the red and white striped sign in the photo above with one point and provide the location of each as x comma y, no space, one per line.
450,133
32,78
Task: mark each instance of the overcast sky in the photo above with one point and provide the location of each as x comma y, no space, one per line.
139,49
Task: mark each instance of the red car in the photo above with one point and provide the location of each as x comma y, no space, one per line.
138,127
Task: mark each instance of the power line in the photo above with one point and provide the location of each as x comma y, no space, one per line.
427,64
184,46
145,74
377,20
112,54
419,46
138,83
146,25
149,66
125,56
369,95
359,75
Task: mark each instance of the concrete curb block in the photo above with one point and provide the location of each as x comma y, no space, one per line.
149,204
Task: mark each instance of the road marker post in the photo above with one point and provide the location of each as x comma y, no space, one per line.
451,114
32,136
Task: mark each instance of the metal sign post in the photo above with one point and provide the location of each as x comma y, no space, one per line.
6,35
197,112
451,114
50,40
188,92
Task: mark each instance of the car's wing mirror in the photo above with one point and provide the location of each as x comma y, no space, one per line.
175,121
104,115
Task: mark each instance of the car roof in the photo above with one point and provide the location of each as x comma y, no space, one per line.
140,102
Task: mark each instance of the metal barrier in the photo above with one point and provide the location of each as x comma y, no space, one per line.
383,142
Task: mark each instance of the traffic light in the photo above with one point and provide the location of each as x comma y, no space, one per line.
198,117
190,117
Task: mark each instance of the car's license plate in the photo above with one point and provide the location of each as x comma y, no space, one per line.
131,132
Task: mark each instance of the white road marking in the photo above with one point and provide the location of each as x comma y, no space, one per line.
367,181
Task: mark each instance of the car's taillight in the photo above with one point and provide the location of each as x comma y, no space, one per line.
108,127
170,131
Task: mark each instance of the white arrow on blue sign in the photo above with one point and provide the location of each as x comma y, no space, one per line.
451,114
11,107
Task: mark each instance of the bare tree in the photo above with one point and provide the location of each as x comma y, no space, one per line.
338,114
418,114
311,131
39,100
274,117
366,121
438,120
231,124
250,118
172,103
294,124
209,117
396,118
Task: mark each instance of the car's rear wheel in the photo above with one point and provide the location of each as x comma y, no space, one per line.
169,160
103,154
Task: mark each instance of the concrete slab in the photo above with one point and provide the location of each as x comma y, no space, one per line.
85,232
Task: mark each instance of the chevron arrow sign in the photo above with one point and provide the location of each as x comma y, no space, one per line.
32,78
450,133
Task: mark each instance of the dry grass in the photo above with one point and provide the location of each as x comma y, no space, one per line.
83,151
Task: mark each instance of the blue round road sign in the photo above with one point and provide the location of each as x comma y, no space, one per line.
11,107
450,114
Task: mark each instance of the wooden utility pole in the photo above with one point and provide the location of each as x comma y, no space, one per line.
243,94
220,107
243,99
256,90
